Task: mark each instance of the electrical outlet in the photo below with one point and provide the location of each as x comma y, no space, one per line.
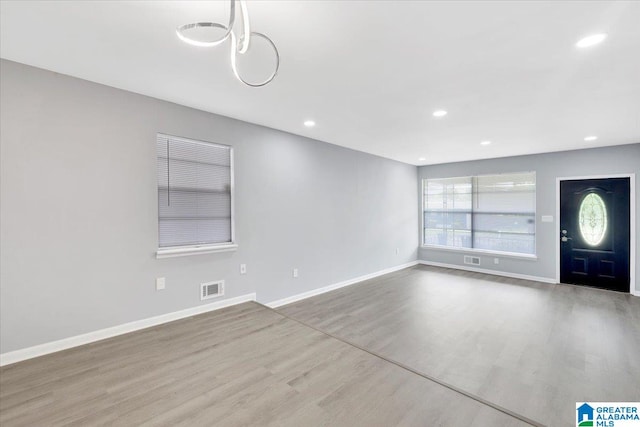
160,283
397,251
295,272
496,261
243,268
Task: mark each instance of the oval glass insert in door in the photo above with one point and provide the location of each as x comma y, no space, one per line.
593,219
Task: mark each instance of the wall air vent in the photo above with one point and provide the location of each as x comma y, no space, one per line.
211,289
473,260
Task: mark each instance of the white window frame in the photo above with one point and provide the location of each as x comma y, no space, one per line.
503,254
178,251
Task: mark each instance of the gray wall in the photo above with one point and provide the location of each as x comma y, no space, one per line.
598,161
79,209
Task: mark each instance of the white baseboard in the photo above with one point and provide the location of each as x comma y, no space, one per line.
494,272
309,294
66,343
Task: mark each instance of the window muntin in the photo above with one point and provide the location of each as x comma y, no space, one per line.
489,212
194,193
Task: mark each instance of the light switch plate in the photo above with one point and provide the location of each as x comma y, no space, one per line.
546,218
160,283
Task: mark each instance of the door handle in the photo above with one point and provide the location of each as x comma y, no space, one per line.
564,237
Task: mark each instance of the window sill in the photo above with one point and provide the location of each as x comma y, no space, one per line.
482,251
194,250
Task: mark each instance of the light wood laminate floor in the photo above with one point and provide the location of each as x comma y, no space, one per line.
533,348
243,365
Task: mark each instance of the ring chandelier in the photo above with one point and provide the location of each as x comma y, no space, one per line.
240,46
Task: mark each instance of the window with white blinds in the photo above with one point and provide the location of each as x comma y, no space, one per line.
194,193
488,212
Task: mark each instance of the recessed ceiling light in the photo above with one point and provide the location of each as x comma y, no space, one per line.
421,159
485,143
439,113
591,138
309,123
591,40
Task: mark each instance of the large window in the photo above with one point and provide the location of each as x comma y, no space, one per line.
488,212
194,195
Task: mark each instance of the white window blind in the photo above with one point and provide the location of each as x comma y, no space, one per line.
447,214
504,213
194,193
489,212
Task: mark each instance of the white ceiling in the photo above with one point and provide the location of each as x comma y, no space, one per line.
370,73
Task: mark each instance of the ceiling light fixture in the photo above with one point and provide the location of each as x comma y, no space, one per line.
421,159
591,40
241,46
439,113
591,138
485,143
309,123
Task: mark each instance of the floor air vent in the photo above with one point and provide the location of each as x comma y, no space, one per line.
211,289
473,260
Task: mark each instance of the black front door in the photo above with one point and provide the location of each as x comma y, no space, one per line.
594,233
